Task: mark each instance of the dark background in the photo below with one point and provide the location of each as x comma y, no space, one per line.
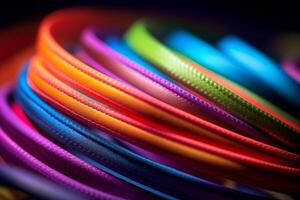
257,18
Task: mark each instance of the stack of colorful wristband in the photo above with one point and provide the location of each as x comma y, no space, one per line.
110,105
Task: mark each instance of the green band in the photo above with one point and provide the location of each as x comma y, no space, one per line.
141,41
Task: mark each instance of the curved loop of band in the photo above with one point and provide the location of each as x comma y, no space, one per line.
133,119
140,167
159,87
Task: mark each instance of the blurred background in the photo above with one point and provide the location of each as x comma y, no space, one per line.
251,14
257,21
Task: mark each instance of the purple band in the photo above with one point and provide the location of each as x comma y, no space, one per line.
292,68
89,39
29,148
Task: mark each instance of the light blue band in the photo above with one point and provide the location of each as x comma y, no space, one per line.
240,63
261,66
